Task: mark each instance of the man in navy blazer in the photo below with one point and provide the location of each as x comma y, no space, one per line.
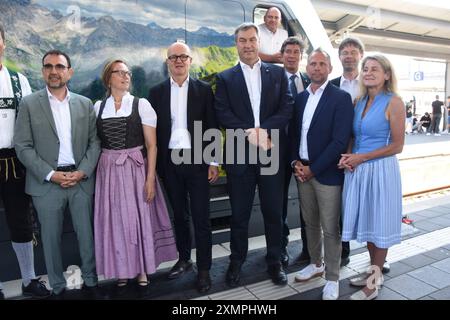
320,131
254,96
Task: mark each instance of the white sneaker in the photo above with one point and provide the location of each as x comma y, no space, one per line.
428,134
437,134
360,295
309,272
331,290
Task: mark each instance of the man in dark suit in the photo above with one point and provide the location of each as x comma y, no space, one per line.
181,103
320,131
56,140
254,96
291,55
351,51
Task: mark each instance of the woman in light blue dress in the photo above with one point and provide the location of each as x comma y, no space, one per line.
372,195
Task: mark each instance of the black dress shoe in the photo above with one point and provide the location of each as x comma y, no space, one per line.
233,275
284,259
203,281
179,269
58,296
277,274
345,261
94,293
2,296
36,289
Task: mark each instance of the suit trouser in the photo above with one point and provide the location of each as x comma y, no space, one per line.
50,208
241,189
179,181
284,238
321,207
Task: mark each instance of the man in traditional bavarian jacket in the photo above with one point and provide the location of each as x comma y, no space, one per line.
13,86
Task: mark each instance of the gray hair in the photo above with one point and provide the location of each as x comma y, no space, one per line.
244,27
293,41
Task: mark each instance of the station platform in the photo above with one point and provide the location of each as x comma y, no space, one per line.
420,266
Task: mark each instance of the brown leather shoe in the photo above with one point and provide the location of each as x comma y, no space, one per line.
179,269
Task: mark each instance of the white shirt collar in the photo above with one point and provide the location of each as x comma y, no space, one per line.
246,66
173,82
53,97
344,79
290,74
320,89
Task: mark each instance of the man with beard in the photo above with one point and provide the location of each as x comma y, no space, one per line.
56,140
319,133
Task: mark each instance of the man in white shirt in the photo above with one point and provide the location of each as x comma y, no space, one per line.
13,86
253,96
182,102
292,52
351,51
319,133
56,140
271,36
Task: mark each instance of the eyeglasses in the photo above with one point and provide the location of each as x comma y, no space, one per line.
59,67
123,73
174,57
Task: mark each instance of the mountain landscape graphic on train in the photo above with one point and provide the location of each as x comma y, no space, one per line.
33,29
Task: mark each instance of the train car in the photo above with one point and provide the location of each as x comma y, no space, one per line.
139,31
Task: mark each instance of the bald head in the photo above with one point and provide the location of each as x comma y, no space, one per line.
177,47
179,61
272,19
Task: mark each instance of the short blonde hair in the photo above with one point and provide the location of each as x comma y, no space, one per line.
390,85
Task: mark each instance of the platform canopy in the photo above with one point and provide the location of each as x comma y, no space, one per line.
418,28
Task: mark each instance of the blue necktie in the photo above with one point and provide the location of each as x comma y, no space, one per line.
292,85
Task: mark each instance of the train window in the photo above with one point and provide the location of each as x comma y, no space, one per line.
210,34
92,32
258,17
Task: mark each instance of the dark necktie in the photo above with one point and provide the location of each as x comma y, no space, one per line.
292,85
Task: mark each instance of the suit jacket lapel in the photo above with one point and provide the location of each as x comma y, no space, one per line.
240,86
265,89
164,112
73,107
321,105
45,106
190,104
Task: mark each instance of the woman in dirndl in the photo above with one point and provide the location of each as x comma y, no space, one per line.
133,233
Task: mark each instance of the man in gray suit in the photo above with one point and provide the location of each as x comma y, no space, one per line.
56,139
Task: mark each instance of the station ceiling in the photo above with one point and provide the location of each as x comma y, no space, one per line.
407,27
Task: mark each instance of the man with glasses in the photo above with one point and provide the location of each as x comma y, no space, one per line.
13,86
181,103
271,36
56,140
